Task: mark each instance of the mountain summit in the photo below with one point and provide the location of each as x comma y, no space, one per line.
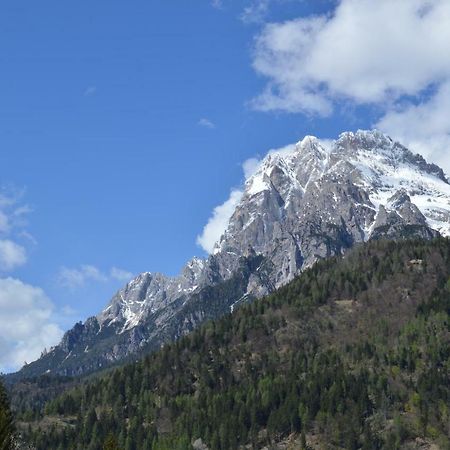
311,200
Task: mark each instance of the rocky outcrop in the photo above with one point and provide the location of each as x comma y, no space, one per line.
315,200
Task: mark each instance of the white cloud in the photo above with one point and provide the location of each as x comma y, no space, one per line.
120,274
368,52
12,212
204,122
218,222
386,53
73,278
424,128
26,325
218,4
12,255
12,222
256,12
250,166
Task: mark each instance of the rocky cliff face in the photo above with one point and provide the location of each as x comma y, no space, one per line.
312,200
315,200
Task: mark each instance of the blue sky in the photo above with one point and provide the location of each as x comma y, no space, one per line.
123,124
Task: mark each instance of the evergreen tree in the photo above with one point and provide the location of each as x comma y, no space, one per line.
6,421
275,367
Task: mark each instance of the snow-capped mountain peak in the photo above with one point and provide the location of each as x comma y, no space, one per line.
358,183
310,200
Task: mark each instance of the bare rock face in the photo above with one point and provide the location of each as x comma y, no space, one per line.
148,293
313,201
319,199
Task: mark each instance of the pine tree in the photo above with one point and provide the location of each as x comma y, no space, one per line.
303,441
110,443
6,421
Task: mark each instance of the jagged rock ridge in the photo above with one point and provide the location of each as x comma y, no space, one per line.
311,200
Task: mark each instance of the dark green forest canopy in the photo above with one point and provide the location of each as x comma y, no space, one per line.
353,353
7,429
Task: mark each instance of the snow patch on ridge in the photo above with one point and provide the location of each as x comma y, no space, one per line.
282,186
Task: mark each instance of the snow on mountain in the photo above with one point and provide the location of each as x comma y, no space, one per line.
148,293
303,180
311,200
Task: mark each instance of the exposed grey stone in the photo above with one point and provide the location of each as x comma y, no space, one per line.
313,202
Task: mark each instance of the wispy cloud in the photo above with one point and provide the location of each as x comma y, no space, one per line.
218,4
74,278
27,322
256,11
90,91
13,220
120,274
207,123
68,311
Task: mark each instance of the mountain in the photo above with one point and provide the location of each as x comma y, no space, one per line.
308,201
352,354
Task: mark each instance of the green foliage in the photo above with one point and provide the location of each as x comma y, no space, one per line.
355,351
6,421
110,443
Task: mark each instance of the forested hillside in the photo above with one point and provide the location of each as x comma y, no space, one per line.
314,201
6,421
354,353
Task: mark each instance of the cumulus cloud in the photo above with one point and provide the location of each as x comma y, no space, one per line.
423,127
218,222
26,325
74,278
12,255
206,123
367,51
384,53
